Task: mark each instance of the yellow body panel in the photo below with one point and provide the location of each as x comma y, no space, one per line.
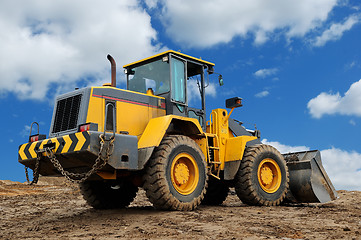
235,147
202,143
131,117
96,111
157,127
230,148
134,118
219,126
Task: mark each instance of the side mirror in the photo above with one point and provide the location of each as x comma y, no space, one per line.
234,102
220,80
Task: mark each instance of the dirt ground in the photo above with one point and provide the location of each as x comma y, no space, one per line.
56,210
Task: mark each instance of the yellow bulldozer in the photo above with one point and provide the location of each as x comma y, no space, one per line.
112,141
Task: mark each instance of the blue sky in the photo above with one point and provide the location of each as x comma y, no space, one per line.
296,64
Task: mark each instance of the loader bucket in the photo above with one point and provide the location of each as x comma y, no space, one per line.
309,182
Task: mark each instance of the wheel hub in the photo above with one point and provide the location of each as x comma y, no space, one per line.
184,173
269,175
266,175
181,173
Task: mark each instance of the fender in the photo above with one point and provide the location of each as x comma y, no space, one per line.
235,148
158,127
234,153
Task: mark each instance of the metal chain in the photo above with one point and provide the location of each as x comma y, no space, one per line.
35,172
100,162
105,151
27,175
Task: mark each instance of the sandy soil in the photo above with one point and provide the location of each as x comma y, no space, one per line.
56,210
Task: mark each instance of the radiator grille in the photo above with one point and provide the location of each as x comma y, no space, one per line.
66,115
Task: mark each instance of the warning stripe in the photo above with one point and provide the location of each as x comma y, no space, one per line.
69,143
74,142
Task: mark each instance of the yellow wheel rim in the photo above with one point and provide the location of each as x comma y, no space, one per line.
184,173
269,175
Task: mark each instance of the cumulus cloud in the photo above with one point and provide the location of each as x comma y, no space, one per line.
282,148
265,72
55,44
193,95
151,3
262,94
343,167
329,103
197,23
336,31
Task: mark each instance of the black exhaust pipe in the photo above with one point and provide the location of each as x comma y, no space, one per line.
114,70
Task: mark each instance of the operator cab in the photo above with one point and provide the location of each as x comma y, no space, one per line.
174,76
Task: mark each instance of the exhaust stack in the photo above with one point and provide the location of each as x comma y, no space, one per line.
113,70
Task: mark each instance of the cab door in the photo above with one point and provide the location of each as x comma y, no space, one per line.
178,97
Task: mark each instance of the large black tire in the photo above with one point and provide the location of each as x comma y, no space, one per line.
262,178
175,177
217,192
108,194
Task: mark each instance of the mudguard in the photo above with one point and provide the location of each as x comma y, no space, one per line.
158,127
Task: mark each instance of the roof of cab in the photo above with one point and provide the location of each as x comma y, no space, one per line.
173,52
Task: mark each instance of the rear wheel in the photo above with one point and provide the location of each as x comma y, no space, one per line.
262,178
176,176
108,194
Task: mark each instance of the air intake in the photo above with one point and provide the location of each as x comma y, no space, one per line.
66,116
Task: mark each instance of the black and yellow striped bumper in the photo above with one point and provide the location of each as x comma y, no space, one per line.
78,152
66,144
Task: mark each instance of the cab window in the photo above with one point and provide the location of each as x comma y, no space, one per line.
154,75
178,81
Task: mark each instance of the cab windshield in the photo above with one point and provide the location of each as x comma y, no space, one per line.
154,75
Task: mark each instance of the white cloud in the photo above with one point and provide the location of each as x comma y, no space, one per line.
343,167
197,23
211,90
262,94
151,3
194,97
328,103
350,65
336,31
25,132
285,148
265,72
55,44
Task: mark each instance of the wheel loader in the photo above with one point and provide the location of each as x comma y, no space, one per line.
112,141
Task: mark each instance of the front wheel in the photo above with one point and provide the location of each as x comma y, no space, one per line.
262,178
176,176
